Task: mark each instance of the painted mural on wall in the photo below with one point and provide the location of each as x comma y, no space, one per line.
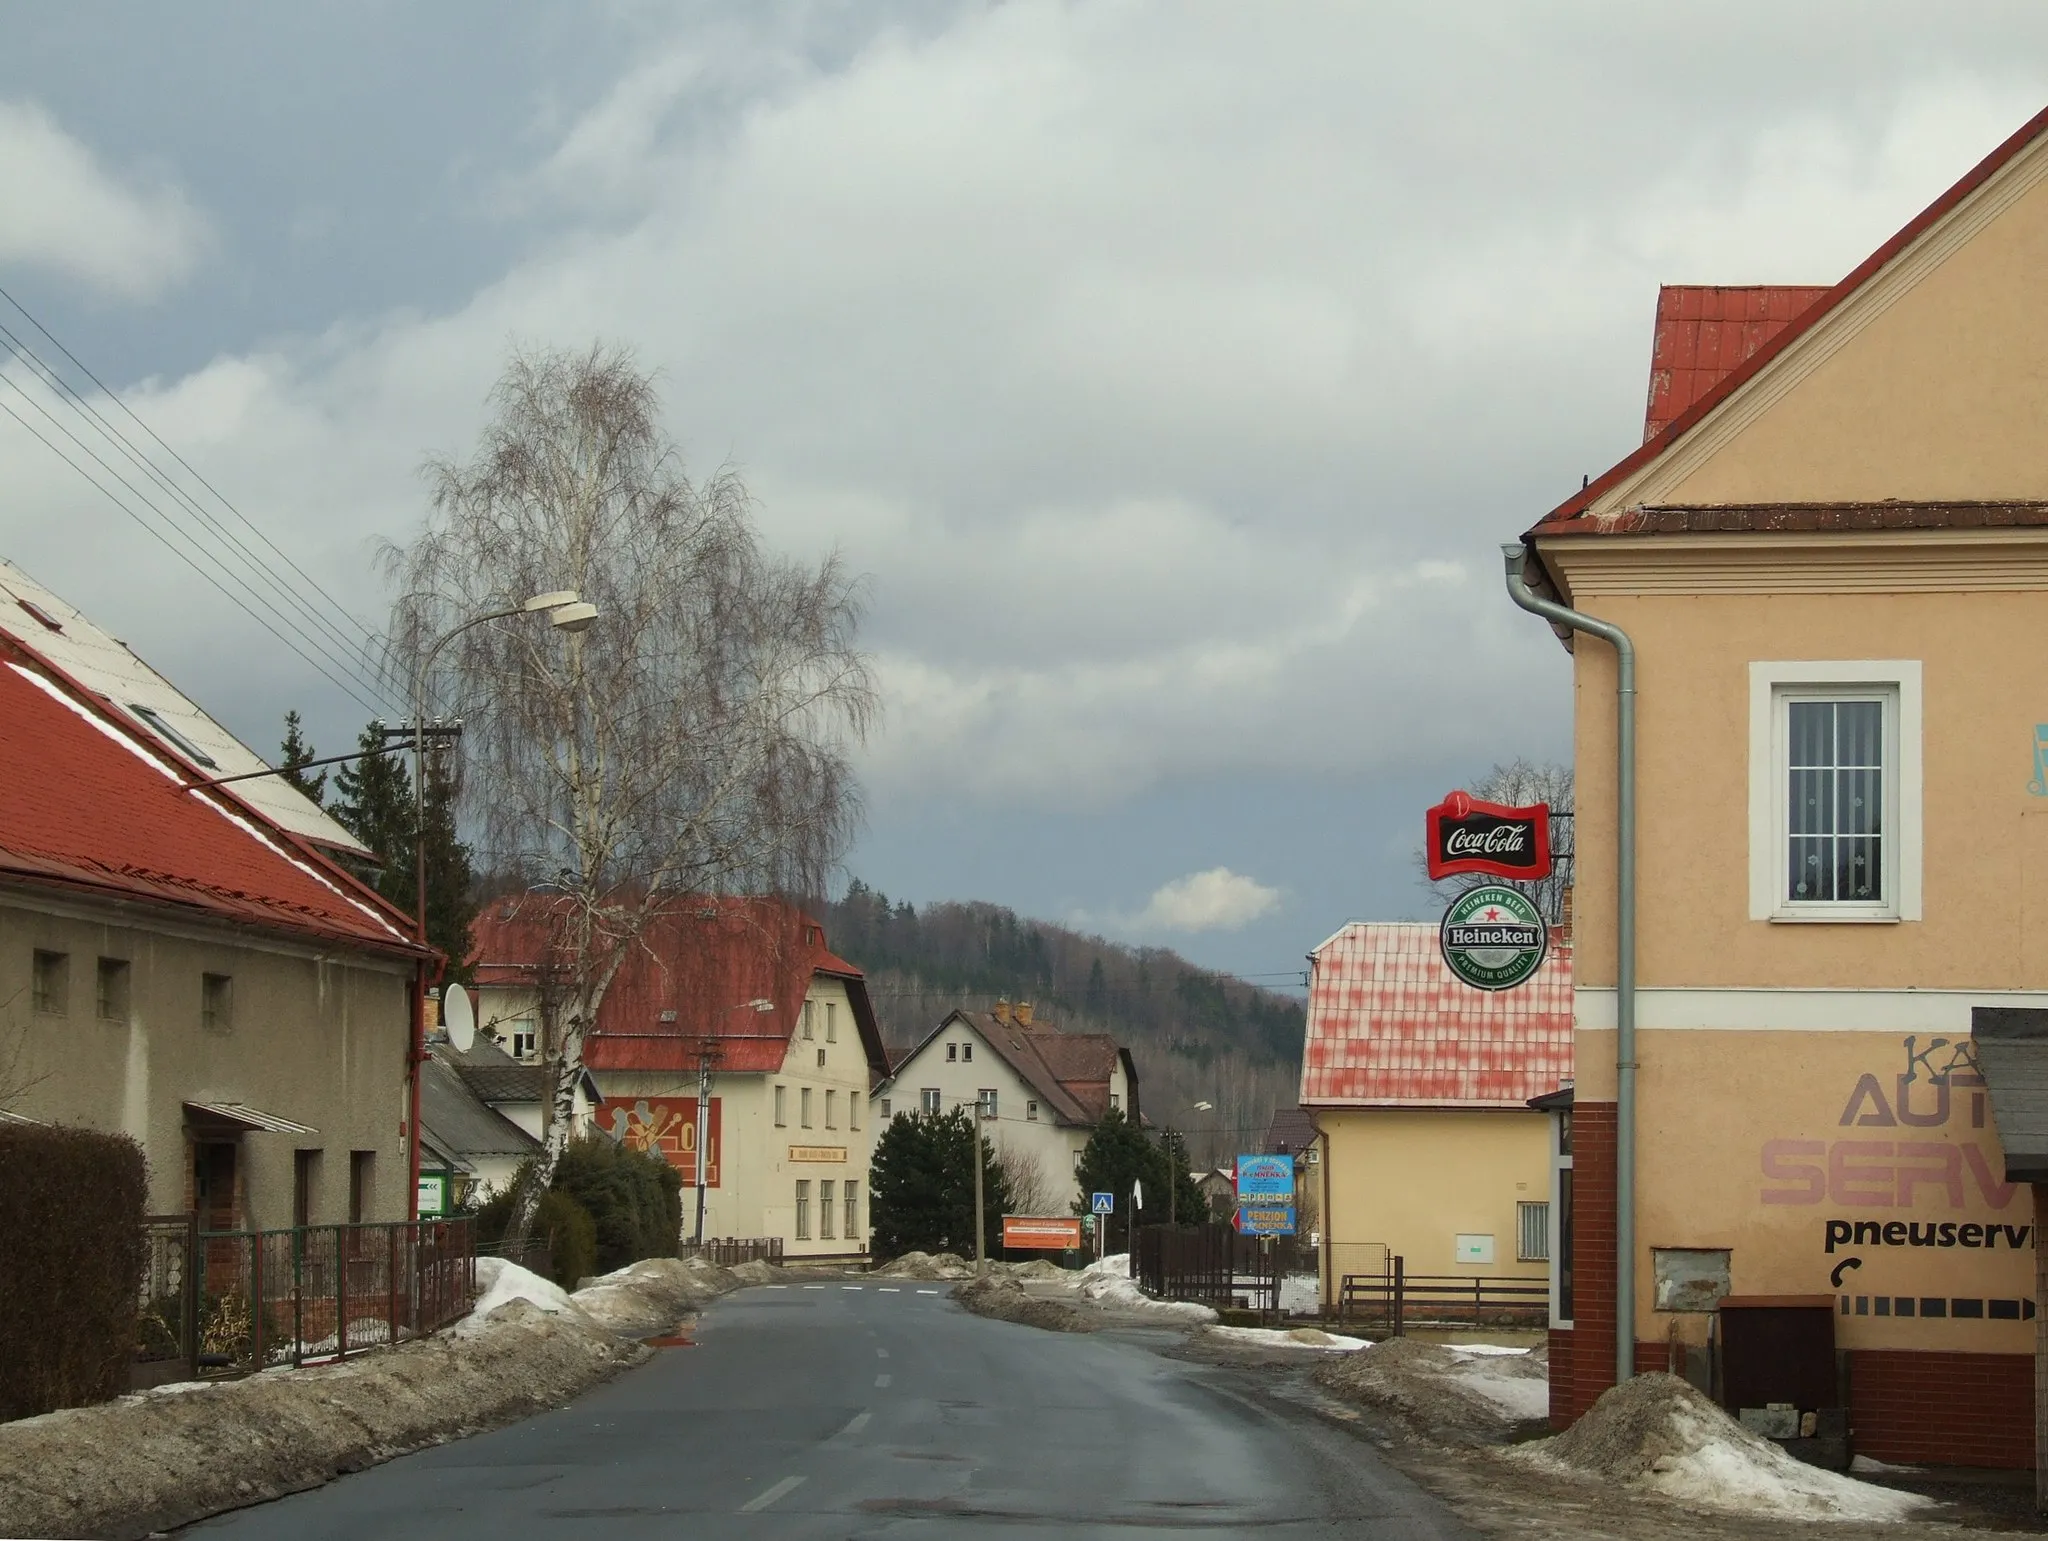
1910,1215
668,1125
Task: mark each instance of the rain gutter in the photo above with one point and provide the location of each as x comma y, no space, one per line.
1516,556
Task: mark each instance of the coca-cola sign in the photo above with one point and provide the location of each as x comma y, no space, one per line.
1467,835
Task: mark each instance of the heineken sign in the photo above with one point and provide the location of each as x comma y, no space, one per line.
1493,938
1467,835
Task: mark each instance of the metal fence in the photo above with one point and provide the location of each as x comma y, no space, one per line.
1214,1265
229,1302
730,1251
1397,1299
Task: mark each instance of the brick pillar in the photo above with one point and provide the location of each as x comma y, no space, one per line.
1593,1315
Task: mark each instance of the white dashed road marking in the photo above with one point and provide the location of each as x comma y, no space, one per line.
851,1286
927,1292
814,1286
881,1380
881,1353
785,1486
885,1289
860,1421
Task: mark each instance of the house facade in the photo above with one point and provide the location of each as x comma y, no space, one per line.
178,966
1831,559
1418,1085
745,994
1042,1091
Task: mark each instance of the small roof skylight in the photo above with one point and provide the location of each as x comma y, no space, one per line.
177,740
42,615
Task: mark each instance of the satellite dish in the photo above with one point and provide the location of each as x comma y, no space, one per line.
458,1017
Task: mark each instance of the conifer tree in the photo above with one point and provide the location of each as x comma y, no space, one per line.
921,1187
294,753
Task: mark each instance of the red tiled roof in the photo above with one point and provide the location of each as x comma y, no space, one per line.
1566,518
88,804
692,981
1390,1026
1705,332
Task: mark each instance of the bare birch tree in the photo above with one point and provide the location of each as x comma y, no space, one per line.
695,740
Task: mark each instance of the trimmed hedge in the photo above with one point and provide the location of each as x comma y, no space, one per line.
72,1203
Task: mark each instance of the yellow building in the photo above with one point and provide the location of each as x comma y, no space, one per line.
1419,1085
1829,561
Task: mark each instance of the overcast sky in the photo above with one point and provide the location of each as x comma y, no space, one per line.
1172,371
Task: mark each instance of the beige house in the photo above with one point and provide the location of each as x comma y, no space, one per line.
743,998
1419,1086
1830,558
178,965
1042,1091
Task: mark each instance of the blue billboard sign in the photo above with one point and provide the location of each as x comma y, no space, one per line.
1265,1219
1265,1177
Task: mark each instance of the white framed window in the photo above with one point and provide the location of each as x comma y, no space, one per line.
885,1108
831,1109
930,1098
852,1230
803,1106
1031,1111
966,1052
853,1101
803,1209
831,1021
1835,790
781,1107
952,1051
825,1197
1532,1233
807,1019
987,1098
525,1039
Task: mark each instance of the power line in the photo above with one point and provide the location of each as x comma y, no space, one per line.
346,665
363,633
182,555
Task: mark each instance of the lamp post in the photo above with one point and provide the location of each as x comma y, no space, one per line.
1173,1183
568,613
706,1053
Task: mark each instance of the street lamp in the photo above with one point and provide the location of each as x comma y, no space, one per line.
1173,1187
568,612
706,1053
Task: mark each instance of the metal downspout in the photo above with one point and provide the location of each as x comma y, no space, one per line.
1516,556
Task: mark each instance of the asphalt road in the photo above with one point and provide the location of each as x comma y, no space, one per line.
844,1411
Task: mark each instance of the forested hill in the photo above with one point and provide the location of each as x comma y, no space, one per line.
1195,1035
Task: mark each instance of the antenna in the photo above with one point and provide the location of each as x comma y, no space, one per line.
458,1017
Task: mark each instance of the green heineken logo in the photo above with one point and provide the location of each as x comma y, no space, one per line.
1493,938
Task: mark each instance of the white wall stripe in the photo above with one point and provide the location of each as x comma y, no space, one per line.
1805,1011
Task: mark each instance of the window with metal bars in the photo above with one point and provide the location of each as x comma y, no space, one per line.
1532,1233
1835,801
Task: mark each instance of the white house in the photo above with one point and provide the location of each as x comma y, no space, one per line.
1043,1091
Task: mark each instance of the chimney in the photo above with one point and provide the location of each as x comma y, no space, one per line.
1023,1013
1003,1009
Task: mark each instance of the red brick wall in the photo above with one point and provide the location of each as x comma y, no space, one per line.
1592,1347
1943,1409
1561,1410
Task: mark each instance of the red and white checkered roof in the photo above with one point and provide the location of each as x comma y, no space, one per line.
1390,1026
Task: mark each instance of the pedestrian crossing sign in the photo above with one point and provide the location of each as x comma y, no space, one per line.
1104,1204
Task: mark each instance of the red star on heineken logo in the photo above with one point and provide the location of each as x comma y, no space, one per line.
1492,913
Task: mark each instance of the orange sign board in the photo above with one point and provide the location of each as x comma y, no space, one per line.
1050,1234
668,1126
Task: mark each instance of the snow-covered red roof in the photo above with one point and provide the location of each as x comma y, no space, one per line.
89,802
1390,1026
56,631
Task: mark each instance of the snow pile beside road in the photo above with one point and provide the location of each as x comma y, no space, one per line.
1510,1378
1284,1337
1658,1432
756,1271
649,1296
1006,1300
503,1282
156,1461
1108,1283
1442,1393
924,1265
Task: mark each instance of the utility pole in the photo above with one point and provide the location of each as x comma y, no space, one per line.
705,1055
980,1228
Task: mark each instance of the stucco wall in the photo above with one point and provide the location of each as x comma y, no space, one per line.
756,1169
319,1040
1413,1180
